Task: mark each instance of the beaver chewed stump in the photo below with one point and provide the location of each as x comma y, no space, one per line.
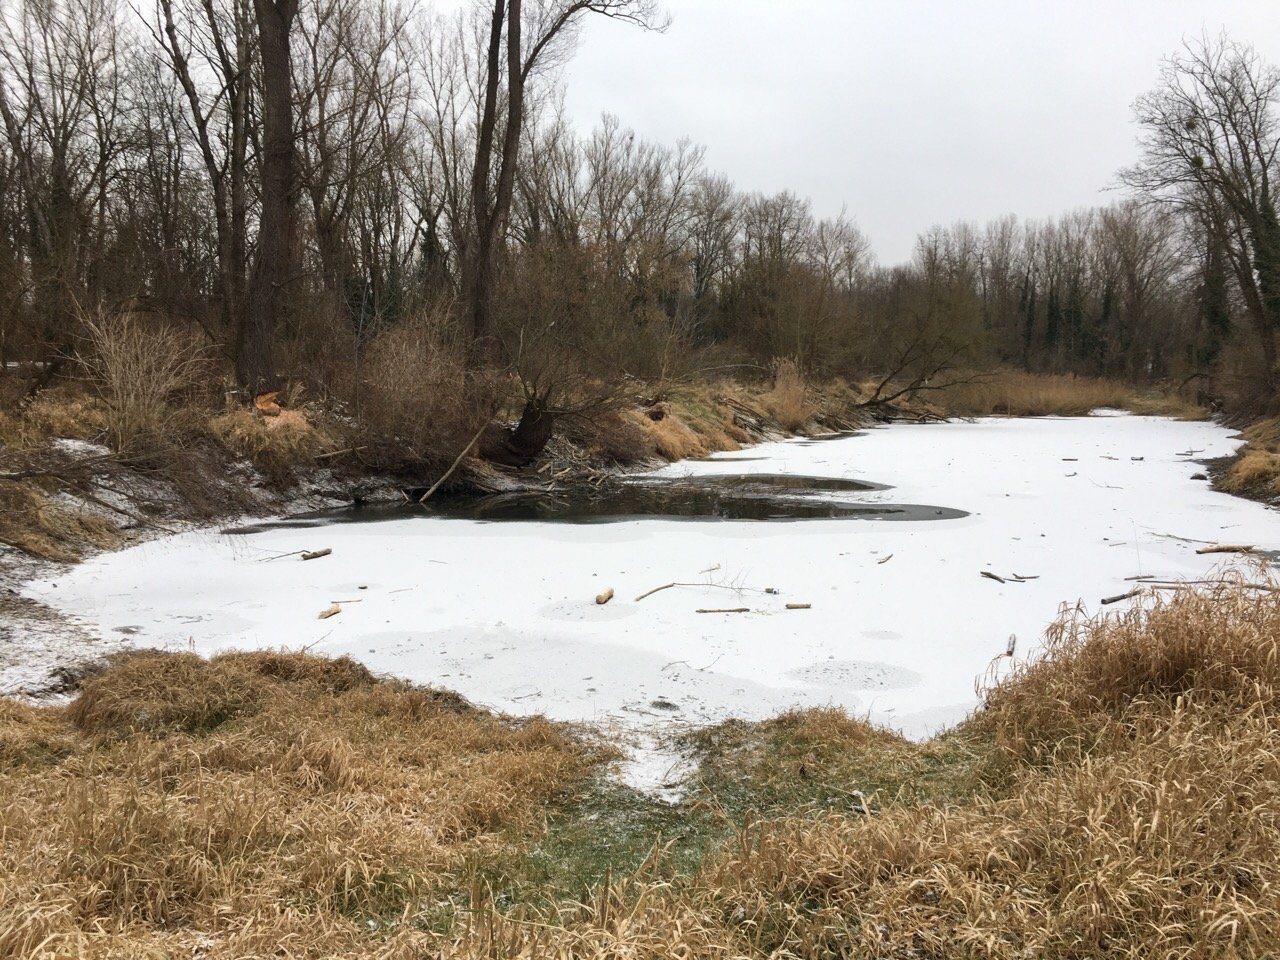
522,444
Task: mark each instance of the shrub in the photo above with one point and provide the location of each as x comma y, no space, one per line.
415,403
138,367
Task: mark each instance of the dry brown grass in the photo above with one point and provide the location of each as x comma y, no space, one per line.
277,443
1256,470
1154,833
264,804
253,805
670,436
790,401
1018,394
1220,646
33,518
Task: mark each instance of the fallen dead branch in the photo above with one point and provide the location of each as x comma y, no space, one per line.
714,586
650,593
799,606
316,554
330,611
994,576
454,466
1106,601
1227,548
725,610
605,596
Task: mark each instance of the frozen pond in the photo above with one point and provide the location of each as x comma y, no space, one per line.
901,623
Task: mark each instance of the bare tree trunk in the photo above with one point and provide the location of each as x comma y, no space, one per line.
274,266
480,267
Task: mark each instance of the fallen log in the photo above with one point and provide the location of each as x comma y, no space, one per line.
799,606
994,576
316,554
1227,548
605,596
330,611
725,610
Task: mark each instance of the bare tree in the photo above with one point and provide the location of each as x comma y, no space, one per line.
208,47
552,21
1211,144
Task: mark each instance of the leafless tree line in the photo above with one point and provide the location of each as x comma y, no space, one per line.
297,180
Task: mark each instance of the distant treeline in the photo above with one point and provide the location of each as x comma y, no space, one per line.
298,181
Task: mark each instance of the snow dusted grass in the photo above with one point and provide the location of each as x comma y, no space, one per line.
1118,798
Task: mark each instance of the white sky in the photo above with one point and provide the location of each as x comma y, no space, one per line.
908,112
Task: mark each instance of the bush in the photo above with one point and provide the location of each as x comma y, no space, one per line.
139,367
415,403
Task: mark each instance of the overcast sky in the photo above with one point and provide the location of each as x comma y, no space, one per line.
908,112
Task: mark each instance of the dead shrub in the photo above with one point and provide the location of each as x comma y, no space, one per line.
416,404
139,367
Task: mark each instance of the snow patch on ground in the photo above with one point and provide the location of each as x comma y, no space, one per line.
902,626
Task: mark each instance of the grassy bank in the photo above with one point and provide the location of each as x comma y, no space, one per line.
88,467
1117,798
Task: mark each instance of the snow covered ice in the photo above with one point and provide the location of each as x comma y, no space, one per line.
902,625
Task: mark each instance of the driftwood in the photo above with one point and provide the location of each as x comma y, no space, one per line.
883,560
994,576
1227,548
1123,596
726,610
316,554
330,611
605,597
799,606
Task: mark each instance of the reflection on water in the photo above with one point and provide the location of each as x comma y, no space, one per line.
772,497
